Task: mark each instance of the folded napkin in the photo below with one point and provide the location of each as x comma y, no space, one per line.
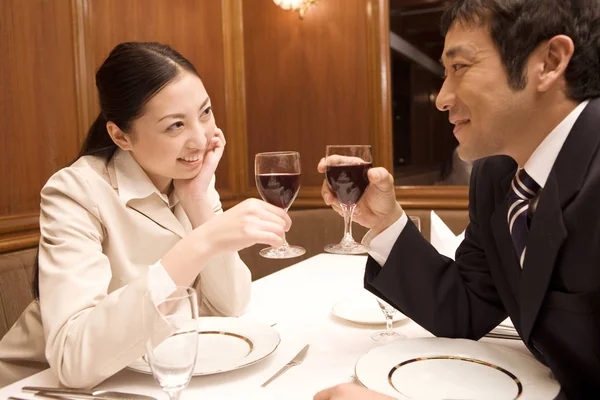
442,238
506,329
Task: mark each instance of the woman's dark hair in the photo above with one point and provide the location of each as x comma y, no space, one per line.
517,27
131,75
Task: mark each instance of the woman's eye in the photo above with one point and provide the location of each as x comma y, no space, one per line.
207,111
175,126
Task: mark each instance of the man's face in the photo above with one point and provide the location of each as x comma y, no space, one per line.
488,115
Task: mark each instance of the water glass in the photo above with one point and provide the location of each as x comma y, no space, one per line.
172,358
389,311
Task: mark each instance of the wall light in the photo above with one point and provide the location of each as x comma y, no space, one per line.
296,5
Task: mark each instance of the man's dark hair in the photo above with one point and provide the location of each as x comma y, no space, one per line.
518,27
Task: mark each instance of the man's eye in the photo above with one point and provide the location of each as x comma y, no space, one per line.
456,67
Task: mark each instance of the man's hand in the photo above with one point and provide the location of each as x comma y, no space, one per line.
377,209
349,391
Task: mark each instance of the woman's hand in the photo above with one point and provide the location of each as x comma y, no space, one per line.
250,222
193,193
197,187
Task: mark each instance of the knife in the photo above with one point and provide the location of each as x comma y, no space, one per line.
86,394
295,361
44,395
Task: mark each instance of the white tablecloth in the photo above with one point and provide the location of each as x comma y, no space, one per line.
299,300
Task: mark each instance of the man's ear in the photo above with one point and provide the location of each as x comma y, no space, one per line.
121,139
554,59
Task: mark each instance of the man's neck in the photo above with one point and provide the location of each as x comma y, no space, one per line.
541,124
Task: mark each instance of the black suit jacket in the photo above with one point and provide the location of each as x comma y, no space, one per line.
554,301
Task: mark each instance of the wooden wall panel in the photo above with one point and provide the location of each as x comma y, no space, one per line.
38,106
276,82
192,27
38,110
306,80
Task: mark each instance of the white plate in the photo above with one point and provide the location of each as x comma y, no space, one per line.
225,344
440,368
363,309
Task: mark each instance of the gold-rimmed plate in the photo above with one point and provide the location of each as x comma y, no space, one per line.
363,309
226,344
440,368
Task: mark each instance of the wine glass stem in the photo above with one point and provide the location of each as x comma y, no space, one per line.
284,246
348,211
389,319
174,395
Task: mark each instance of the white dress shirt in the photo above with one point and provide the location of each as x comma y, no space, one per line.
538,166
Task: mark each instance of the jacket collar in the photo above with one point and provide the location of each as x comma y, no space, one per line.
137,191
132,182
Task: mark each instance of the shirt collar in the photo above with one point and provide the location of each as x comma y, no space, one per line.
134,183
542,160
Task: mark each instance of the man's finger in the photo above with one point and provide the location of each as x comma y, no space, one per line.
381,178
322,166
327,195
326,394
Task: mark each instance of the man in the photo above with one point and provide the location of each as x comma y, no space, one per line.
522,87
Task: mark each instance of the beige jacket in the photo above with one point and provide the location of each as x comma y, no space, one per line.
103,223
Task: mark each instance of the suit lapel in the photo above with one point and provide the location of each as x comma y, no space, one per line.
548,231
154,208
503,239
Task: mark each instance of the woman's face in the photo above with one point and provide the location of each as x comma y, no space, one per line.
169,140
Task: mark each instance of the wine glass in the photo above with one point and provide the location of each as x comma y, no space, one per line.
389,311
171,354
388,334
346,174
277,177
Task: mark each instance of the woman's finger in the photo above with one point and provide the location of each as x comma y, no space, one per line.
268,238
267,212
272,227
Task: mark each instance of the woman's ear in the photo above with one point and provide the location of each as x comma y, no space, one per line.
121,139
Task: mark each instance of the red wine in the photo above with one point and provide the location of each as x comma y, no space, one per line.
278,189
348,182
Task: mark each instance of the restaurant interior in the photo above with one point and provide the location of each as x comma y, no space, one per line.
334,72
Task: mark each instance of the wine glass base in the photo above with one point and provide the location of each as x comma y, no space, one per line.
347,248
386,336
279,253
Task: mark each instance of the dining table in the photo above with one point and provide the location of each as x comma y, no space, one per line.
297,301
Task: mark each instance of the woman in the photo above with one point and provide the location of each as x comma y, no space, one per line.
137,210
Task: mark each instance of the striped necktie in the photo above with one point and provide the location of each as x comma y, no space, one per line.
523,190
